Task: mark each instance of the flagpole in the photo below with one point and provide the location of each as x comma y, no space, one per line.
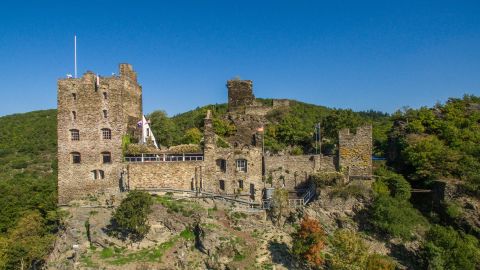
75,53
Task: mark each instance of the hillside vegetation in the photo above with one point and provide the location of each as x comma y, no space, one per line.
28,174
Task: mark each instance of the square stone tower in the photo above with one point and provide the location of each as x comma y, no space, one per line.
94,114
240,95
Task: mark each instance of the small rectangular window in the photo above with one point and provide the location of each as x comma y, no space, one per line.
241,165
74,115
222,185
75,134
106,134
74,96
101,174
105,95
106,157
75,158
94,174
105,113
240,184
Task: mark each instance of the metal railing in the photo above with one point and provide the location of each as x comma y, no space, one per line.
163,157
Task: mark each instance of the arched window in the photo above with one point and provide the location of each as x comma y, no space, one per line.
221,165
75,134
106,134
241,165
75,157
106,157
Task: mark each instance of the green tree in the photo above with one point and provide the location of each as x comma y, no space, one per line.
446,248
130,219
396,217
164,129
27,244
192,136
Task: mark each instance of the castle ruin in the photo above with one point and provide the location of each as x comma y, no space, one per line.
95,114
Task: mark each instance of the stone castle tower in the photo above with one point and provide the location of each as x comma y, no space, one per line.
94,115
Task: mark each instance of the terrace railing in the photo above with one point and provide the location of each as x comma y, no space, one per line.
164,157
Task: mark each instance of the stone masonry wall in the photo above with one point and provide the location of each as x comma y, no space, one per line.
240,94
355,151
185,175
293,172
121,101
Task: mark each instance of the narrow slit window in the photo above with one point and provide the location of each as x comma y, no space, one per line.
74,115
74,96
105,113
105,95
240,184
222,185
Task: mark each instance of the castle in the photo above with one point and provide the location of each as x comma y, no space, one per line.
95,114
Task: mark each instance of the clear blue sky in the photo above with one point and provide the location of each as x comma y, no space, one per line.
349,54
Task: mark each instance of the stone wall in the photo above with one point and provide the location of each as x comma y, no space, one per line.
293,172
355,151
120,98
185,175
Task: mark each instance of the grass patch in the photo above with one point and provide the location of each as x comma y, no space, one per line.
117,257
182,206
187,234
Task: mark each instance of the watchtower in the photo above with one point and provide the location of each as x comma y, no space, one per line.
240,94
94,115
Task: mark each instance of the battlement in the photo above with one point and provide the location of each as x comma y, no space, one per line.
240,94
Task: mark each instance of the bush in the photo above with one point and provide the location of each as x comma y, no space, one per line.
396,217
131,217
446,248
308,242
358,191
347,251
397,185
379,262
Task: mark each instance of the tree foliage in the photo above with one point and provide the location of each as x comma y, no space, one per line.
446,248
396,217
308,242
130,219
28,174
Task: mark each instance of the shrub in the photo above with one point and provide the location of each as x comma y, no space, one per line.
308,242
396,217
347,251
131,217
379,262
349,191
397,185
446,248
